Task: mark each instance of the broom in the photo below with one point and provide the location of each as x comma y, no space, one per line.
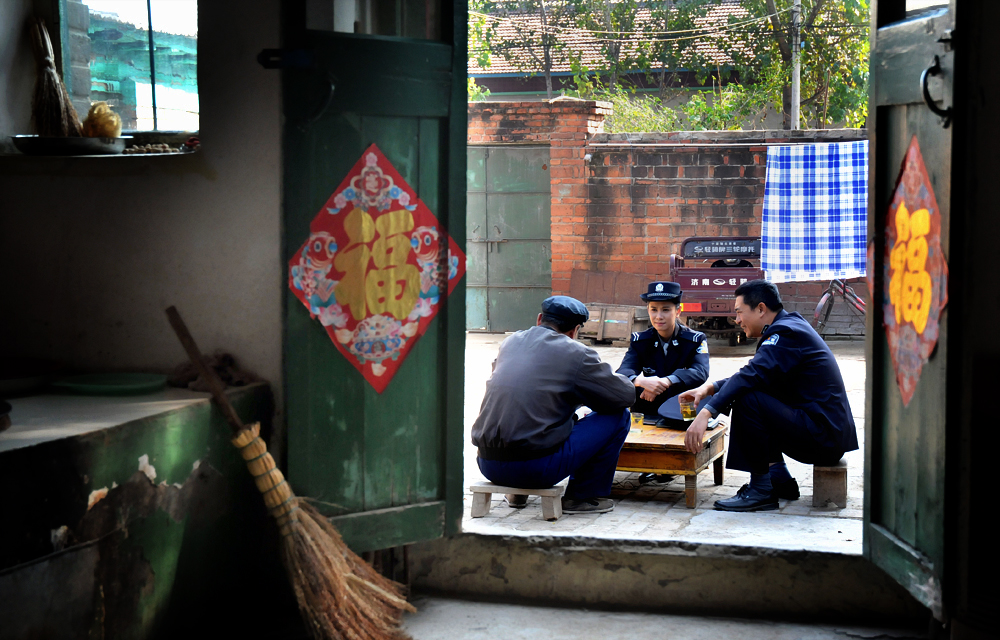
339,594
51,108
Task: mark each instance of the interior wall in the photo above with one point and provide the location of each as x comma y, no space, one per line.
16,71
92,250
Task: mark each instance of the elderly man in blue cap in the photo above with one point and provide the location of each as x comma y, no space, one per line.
527,431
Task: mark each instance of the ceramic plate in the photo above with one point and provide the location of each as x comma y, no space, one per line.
38,146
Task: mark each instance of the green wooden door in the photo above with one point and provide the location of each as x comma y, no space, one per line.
905,445
387,467
509,236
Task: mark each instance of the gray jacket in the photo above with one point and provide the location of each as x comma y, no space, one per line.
541,378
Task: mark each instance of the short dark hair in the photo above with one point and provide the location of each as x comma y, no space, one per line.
757,291
561,325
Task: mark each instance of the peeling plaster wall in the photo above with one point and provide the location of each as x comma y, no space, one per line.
139,531
93,249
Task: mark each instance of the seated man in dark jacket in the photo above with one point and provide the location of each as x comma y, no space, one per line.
527,433
667,358
790,398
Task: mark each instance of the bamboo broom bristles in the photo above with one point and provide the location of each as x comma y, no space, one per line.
51,108
339,594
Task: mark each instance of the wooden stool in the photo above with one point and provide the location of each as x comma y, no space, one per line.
650,449
482,496
830,485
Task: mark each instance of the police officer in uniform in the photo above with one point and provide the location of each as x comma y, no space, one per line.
666,359
790,398
527,432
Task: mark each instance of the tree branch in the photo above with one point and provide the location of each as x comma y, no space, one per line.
779,32
812,14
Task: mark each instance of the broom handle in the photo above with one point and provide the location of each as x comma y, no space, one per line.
214,384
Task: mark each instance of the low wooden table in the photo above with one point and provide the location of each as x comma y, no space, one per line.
650,449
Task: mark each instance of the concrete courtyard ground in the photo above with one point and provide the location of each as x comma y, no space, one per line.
657,512
451,619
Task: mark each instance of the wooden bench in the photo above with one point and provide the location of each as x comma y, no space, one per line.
830,485
482,498
650,449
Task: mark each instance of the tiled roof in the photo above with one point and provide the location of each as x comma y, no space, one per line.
587,45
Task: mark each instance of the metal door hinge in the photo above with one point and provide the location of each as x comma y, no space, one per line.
946,39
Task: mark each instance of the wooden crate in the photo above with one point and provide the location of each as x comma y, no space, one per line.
614,321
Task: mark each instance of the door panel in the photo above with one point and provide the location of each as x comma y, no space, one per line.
476,255
381,464
509,234
521,216
477,302
509,307
905,446
518,169
515,264
475,177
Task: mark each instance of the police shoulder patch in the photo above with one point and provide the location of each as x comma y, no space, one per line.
703,347
772,340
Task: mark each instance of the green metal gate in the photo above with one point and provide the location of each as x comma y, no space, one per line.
509,235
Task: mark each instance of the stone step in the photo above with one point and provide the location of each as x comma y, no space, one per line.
668,576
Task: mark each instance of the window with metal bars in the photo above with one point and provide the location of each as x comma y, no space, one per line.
139,56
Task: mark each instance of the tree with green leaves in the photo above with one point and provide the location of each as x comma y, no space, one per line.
834,56
671,42
616,26
479,47
525,33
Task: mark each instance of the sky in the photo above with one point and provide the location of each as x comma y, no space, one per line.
169,16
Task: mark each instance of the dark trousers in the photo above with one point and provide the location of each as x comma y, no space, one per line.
763,428
589,457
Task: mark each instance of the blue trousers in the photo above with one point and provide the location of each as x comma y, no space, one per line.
763,428
589,457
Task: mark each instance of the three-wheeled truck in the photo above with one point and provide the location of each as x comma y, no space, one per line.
709,270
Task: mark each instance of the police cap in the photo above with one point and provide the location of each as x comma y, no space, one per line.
564,310
662,291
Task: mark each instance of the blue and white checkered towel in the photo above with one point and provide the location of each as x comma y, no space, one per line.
815,212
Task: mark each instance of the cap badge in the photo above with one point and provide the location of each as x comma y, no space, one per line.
659,288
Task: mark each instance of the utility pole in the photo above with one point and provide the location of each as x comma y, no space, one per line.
796,40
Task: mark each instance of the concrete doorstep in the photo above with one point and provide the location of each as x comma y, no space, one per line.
662,576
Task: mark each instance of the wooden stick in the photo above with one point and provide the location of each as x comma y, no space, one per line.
214,384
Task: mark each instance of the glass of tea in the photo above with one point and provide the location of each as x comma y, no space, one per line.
688,411
637,419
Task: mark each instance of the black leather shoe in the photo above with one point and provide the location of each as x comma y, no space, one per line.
748,500
787,490
515,501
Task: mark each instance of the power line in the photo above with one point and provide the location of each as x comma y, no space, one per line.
701,30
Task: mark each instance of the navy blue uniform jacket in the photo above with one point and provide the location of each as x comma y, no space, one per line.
795,366
686,357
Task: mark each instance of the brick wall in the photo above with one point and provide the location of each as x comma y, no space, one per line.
622,203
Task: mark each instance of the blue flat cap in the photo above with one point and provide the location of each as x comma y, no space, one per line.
565,309
665,291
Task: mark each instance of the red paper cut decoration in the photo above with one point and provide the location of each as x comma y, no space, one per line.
374,268
915,273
